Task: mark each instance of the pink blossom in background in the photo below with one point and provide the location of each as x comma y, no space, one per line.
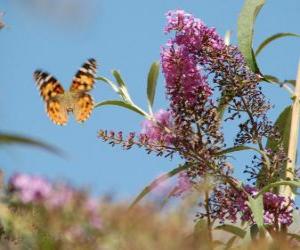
157,130
30,188
60,196
183,184
92,208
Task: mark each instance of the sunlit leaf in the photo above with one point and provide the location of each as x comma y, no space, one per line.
120,103
13,139
154,184
232,229
272,38
151,84
246,23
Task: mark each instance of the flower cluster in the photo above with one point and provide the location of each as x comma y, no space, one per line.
37,190
231,204
30,188
158,130
203,78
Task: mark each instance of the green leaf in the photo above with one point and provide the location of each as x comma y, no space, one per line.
122,86
270,78
283,125
254,232
295,184
272,38
157,182
10,139
122,104
243,147
246,23
151,84
257,207
237,231
109,82
293,82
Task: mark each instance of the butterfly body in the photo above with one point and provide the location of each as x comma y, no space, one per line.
76,100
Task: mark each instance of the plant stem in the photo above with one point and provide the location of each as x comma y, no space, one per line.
293,141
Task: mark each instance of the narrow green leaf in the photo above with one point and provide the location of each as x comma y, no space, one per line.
272,79
151,84
237,231
257,207
109,82
11,139
246,23
272,38
241,148
157,182
118,78
122,86
295,184
122,104
293,82
283,125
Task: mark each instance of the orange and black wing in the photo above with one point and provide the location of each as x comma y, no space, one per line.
51,90
48,85
83,107
84,79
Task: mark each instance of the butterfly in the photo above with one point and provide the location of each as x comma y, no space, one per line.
76,100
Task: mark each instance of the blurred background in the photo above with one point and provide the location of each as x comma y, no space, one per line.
59,35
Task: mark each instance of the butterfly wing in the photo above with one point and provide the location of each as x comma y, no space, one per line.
51,92
57,112
48,85
85,77
83,107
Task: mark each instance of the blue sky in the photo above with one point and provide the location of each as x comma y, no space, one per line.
123,35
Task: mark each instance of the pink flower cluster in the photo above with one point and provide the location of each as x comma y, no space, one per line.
180,58
158,129
30,188
192,32
38,190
